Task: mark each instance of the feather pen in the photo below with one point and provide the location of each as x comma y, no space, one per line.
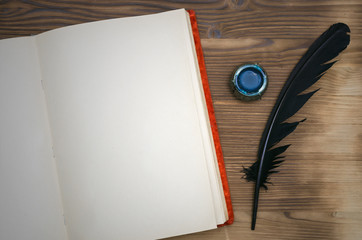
310,68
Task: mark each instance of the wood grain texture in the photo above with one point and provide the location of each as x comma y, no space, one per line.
318,192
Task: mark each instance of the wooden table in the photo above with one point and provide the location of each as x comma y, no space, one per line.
318,192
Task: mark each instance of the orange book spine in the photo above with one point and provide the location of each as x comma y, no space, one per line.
211,113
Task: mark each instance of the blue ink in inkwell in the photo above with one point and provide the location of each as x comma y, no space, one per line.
249,82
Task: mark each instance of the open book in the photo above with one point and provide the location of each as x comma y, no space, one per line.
106,133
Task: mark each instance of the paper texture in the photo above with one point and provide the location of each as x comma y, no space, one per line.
106,122
30,206
126,128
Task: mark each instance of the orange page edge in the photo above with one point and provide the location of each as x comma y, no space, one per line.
211,113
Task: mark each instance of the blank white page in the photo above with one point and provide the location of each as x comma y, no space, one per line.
126,131
30,202
209,149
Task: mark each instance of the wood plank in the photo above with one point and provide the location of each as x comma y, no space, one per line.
318,192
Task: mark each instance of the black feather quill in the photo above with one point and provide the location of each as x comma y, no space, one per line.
310,68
